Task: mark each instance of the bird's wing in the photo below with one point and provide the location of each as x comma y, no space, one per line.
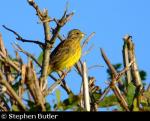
61,52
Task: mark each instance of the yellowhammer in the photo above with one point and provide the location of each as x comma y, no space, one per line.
67,53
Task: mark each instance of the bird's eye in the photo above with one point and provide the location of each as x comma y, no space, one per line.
77,32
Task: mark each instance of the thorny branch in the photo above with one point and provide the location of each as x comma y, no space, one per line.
11,90
115,79
22,39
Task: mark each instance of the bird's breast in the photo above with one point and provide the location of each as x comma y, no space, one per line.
75,56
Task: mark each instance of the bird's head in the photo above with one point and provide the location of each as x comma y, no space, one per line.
76,33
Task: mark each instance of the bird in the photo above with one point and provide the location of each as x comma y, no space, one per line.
67,53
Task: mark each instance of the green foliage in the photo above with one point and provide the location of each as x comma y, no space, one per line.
130,94
145,101
58,94
15,108
143,75
40,58
109,101
16,86
135,105
48,106
70,103
96,95
33,107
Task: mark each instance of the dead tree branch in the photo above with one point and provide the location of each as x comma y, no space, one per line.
22,39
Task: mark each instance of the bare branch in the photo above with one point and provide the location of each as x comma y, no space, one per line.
134,68
104,93
11,90
53,86
110,66
18,48
10,62
22,39
120,97
85,88
88,39
94,66
126,62
33,85
2,47
88,51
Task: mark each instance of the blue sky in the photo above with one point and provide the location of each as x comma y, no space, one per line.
110,19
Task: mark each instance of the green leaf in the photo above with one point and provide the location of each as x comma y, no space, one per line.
108,101
40,58
96,96
117,66
33,106
30,103
15,108
130,93
143,75
71,102
135,105
58,94
16,86
146,108
145,99
48,106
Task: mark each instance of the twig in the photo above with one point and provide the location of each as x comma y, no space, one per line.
68,90
65,18
3,103
134,68
7,60
112,69
33,85
119,96
126,62
104,93
85,88
118,76
22,39
43,16
59,36
11,90
88,39
78,65
2,108
88,50
53,86
94,66
2,47
18,48
38,12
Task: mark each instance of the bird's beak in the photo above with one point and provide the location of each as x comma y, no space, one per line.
82,34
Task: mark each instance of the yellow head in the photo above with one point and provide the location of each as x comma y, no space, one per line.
76,34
